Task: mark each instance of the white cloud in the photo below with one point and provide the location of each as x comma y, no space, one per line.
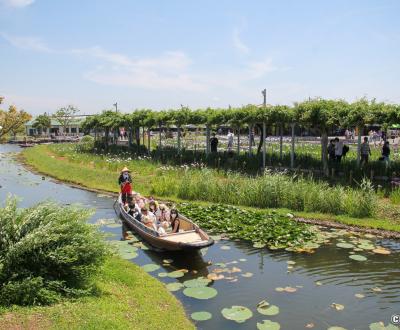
238,43
28,43
257,69
17,3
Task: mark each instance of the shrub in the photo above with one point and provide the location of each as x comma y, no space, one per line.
47,252
86,144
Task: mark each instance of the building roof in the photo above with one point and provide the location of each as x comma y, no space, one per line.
55,122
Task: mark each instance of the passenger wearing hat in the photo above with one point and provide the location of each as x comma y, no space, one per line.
125,182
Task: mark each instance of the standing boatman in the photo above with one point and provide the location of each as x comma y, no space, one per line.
125,182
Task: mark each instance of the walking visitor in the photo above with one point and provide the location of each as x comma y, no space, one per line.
365,151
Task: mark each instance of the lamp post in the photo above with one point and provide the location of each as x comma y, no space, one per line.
264,128
116,106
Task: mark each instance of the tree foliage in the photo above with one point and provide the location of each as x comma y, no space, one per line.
13,120
65,115
42,122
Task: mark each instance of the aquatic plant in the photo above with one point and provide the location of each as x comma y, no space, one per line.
269,229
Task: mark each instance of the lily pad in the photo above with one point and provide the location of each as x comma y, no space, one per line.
176,274
357,257
197,282
174,286
243,259
381,326
338,307
381,251
238,314
279,289
247,274
215,277
291,262
268,325
225,247
359,295
162,274
336,328
150,267
128,254
201,316
200,292
258,245
168,261
345,245
269,310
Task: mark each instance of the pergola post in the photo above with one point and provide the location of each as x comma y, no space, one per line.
238,141
250,146
179,139
280,141
148,140
130,137
207,139
359,145
264,152
159,134
292,147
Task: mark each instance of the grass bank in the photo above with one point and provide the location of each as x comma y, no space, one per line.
100,172
128,298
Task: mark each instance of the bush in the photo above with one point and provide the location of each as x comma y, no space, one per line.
86,144
47,252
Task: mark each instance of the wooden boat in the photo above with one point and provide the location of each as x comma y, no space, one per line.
191,238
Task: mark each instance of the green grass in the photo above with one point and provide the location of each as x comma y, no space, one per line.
128,299
100,172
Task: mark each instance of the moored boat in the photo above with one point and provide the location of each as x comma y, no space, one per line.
190,237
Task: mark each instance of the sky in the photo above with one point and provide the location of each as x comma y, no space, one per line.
164,54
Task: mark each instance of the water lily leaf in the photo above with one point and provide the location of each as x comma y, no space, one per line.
345,245
162,274
357,257
225,247
310,325
174,286
263,303
359,295
291,262
200,292
336,328
242,259
220,264
290,289
238,314
376,289
318,283
269,310
201,316
338,307
259,245
150,267
381,326
247,274
381,250
279,289
366,247
215,277
235,270
168,261
128,254
197,282
268,325
176,274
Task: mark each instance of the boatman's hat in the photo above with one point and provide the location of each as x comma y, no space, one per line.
125,169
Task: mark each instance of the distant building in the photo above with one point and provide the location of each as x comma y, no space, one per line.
74,128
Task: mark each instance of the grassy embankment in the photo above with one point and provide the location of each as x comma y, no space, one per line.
101,173
128,299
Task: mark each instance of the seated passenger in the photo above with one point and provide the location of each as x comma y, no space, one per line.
145,213
153,208
161,231
174,220
163,213
148,222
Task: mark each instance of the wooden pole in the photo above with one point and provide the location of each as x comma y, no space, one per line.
238,142
207,140
264,145
280,141
148,140
179,139
292,149
250,149
159,142
359,146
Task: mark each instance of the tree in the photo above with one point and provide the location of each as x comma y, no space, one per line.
13,120
42,122
66,115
